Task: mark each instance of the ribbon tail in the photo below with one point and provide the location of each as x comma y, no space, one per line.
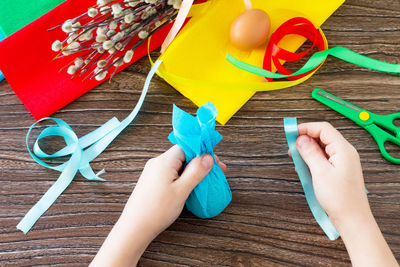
51,195
180,19
99,133
363,61
89,174
97,148
291,131
247,4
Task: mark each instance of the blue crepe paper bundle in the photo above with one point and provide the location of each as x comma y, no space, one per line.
197,136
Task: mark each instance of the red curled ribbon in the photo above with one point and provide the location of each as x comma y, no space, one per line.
274,53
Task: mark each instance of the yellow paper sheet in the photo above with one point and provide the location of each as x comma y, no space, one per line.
198,52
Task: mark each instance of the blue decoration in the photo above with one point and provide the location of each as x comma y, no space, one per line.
292,132
82,151
197,136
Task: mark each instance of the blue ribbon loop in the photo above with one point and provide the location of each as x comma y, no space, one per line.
82,151
291,132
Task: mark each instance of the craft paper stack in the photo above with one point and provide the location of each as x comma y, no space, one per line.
27,53
195,62
15,14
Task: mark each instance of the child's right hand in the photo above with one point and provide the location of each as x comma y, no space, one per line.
336,171
339,186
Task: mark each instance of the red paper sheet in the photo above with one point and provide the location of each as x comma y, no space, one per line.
26,61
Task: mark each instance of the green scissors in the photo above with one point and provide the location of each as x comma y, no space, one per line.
379,126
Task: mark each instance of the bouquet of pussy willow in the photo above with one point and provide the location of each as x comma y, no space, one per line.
102,38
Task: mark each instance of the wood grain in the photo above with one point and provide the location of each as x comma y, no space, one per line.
268,222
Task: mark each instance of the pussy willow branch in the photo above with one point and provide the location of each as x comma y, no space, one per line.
109,28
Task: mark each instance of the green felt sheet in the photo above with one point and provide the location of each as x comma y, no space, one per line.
15,14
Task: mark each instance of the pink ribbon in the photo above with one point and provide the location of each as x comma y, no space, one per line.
247,4
180,19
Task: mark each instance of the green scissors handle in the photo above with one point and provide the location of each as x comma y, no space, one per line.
381,127
381,137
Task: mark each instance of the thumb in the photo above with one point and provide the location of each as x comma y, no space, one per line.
195,171
312,154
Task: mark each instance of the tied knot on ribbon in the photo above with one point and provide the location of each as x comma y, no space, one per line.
81,151
75,147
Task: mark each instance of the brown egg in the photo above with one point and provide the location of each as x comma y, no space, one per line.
250,29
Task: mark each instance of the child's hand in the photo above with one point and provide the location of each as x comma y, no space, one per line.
339,186
156,202
161,191
336,170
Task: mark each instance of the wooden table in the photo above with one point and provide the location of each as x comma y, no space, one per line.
267,223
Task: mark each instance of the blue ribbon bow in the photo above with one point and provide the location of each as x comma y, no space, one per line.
82,150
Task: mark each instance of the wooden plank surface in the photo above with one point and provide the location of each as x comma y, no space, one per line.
268,222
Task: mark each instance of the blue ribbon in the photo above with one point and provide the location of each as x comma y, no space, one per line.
82,150
291,132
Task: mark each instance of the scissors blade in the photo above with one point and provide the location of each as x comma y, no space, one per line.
337,100
345,108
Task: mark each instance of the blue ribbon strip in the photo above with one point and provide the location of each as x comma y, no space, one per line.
291,132
82,150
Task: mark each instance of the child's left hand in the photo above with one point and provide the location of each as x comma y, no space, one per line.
156,202
161,192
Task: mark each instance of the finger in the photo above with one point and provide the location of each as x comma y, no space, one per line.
222,166
341,154
312,154
220,163
175,152
331,150
173,157
194,172
337,148
321,144
324,131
